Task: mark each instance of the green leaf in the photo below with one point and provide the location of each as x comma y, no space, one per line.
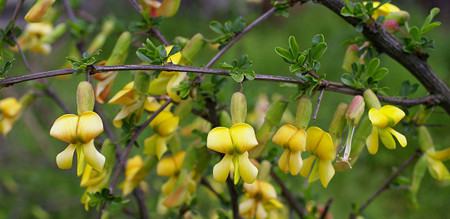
427,28
238,77
380,74
347,79
293,44
216,27
318,38
415,33
417,176
318,50
284,54
372,66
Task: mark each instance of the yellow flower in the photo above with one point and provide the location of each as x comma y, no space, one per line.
32,38
93,181
134,174
319,165
164,125
383,10
260,200
234,143
39,10
383,120
170,166
167,82
10,110
79,131
293,140
436,166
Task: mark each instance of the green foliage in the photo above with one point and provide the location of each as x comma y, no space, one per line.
81,65
226,30
306,60
80,28
155,55
240,69
407,88
365,75
145,23
8,34
416,41
104,197
281,7
362,10
6,62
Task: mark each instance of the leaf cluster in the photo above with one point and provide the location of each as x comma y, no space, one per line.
240,69
306,60
226,30
416,41
365,75
155,54
81,65
104,197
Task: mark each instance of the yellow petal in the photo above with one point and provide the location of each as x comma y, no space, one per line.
261,213
326,150
173,84
247,169
65,158
124,113
438,170
307,165
314,174
175,58
298,141
151,104
295,162
178,159
219,140
158,86
81,163
86,176
283,162
387,139
222,169
400,138
10,107
6,125
155,145
394,114
160,118
90,125
168,126
166,167
169,186
326,172
93,157
440,155
283,134
65,128
125,96
378,119
246,206
267,190
383,10
243,136
314,135
372,141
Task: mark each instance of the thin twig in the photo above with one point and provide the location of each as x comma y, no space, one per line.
238,36
139,195
388,182
16,11
330,86
327,207
234,198
135,5
129,146
291,200
157,33
69,11
205,182
319,100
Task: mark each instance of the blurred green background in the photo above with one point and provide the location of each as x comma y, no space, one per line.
32,187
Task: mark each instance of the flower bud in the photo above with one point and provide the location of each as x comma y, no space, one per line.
303,114
224,119
350,57
193,46
120,51
85,97
399,16
168,8
337,123
57,32
425,139
238,108
355,110
371,99
26,99
391,26
100,39
181,41
38,11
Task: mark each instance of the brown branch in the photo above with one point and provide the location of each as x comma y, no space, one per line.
16,11
387,43
387,182
326,85
234,198
326,209
290,199
205,182
69,11
129,146
139,195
